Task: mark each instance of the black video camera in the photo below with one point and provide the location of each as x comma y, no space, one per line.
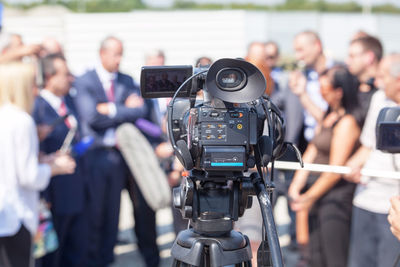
220,132
388,130
218,138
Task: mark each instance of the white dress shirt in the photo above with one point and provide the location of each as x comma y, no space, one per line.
105,76
373,194
21,176
55,102
106,79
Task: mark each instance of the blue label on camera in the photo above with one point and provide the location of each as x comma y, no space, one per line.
227,164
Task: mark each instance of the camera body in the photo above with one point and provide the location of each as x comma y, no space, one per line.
220,138
388,130
217,139
218,133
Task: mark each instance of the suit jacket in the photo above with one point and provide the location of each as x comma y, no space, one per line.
153,115
66,193
90,92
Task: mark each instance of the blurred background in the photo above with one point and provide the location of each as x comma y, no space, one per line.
188,29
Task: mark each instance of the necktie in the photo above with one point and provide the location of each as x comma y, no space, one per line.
110,92
62,111
109,136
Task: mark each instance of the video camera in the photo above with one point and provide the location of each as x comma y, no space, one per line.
220,132
388,130
217,139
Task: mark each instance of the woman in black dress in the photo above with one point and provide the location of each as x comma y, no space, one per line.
326,199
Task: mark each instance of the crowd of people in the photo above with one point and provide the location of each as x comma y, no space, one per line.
48,115
342,220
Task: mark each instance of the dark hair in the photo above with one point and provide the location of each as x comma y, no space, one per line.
370,43
48,68
340,77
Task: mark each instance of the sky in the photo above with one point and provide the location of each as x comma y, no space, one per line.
166,3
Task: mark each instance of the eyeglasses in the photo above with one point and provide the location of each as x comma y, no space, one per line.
271,57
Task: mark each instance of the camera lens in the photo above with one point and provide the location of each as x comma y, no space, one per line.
231,79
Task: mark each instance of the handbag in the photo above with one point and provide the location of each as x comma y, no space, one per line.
45,240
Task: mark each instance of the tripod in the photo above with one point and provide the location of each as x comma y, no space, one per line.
213,202
191,248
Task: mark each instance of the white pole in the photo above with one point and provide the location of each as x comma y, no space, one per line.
289,165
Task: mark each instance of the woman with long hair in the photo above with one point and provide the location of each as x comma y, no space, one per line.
21,174
324,202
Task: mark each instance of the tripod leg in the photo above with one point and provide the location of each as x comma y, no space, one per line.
177,263
243,264
174,263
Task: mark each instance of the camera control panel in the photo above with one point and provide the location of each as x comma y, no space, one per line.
223,127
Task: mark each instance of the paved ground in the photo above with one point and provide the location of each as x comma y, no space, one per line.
128,255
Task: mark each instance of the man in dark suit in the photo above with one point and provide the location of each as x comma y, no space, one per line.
65,193
105,99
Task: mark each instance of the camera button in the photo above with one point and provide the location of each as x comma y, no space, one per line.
214,114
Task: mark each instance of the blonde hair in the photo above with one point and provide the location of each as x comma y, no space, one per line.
17,84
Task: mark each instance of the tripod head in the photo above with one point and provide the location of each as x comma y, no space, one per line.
213,202
212,205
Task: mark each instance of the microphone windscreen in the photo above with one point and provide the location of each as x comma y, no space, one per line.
80,148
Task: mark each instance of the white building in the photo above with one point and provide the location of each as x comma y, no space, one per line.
187,35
